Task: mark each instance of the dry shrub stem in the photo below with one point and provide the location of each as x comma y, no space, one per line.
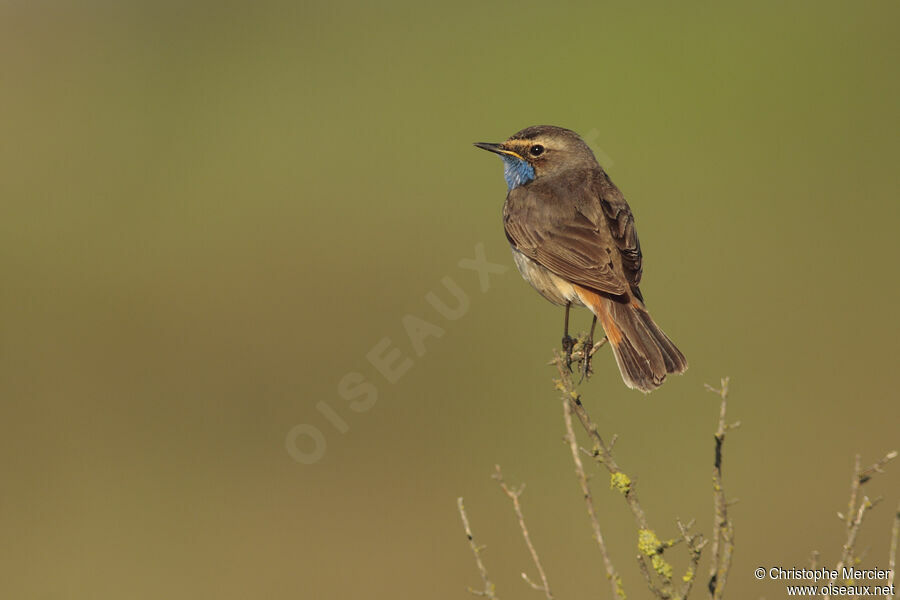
856,511
488,590
613,577
892,555
517,507
723,528
657,572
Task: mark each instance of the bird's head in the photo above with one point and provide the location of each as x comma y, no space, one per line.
541,151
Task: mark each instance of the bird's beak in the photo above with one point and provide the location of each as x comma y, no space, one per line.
496,148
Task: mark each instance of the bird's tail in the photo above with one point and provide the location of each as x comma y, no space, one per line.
644,353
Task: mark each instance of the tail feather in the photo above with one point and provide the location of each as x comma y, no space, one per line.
644,353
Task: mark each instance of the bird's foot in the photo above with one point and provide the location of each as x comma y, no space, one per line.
568,345
587,348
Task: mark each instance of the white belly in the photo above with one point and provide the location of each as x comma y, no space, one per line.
551,286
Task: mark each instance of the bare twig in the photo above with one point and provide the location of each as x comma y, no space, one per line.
489,590
877,467
601,450
514,496
892,555
723,528
648,578
598,345
695,544
656,571
578,350
615,581
650,546
857,509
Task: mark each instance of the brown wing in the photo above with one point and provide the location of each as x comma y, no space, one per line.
621,226
563,226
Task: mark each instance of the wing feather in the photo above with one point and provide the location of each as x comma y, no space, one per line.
621,225
566,227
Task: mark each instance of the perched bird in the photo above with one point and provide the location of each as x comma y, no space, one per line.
573,239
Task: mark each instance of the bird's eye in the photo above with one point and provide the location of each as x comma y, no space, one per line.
536,150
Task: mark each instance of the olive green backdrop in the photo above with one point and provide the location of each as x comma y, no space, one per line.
212,213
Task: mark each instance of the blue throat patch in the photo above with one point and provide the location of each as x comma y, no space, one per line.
516,171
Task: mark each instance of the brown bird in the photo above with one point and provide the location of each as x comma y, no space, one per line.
573,239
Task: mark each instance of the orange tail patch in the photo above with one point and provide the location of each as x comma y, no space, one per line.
595,303
644,354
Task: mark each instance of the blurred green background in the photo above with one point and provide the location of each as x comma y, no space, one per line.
212,212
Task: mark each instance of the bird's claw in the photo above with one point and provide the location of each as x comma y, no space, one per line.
586,349
568,345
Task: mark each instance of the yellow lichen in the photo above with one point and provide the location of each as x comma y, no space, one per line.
620,481
648,543
661,566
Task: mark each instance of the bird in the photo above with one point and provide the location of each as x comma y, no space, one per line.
574,240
